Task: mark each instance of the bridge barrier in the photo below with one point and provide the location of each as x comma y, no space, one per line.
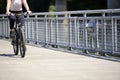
87,30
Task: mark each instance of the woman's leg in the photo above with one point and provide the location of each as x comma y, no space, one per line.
12,20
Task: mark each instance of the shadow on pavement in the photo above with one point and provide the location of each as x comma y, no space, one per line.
8,55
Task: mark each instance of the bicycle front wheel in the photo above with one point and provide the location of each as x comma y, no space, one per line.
22,43
15,44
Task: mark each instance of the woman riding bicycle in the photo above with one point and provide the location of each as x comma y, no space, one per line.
15,6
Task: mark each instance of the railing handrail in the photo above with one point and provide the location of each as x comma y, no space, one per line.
80,12
75,12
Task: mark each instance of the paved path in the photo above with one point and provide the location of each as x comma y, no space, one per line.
45,64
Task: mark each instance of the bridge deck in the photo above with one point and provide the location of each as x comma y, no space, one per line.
45,64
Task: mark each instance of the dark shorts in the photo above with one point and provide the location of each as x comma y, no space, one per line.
20,19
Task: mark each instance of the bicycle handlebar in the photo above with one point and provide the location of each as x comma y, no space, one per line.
25,13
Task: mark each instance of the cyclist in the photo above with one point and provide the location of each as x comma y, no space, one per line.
15,6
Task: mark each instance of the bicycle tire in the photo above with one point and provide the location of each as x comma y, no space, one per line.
22,43
15,44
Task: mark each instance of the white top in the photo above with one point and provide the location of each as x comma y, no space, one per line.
16,5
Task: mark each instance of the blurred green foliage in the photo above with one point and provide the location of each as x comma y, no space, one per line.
52,8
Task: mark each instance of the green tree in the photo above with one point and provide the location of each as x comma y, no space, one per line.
52,8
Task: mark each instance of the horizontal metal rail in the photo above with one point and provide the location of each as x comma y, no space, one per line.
87,30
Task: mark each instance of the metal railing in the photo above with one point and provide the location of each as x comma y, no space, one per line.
70,29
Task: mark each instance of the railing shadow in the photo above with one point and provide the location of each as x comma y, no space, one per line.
63,49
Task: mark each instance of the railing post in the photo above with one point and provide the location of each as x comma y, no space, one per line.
27,29
76,32
97,35
36,29
2,27
69,33
103,34
56,32
50,34
46,30
85,33
7,25
113,35
116,38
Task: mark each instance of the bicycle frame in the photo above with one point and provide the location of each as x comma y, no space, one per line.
18,40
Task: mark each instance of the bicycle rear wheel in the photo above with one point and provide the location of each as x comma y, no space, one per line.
15,44
22,43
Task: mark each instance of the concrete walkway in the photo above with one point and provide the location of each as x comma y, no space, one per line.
45,64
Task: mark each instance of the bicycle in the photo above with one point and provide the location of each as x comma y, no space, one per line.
18,40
